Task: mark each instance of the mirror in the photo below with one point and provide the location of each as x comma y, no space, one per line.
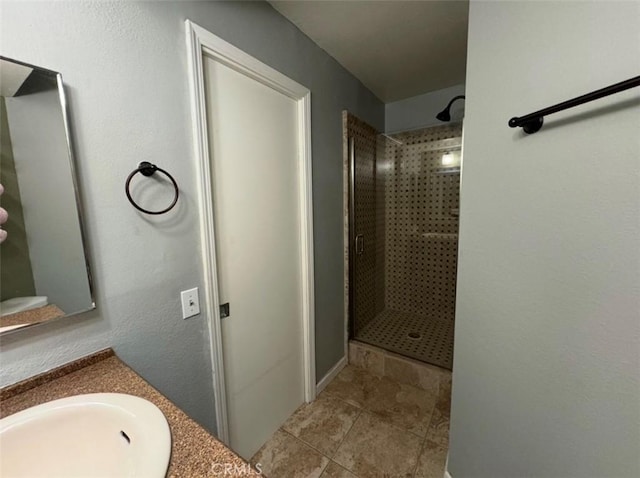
43,263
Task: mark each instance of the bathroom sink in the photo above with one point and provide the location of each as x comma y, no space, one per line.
11,327
22,304
100,434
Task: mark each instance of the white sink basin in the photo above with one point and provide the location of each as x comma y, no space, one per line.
100,434
22,304
7,328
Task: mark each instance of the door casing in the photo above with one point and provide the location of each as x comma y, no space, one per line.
200,41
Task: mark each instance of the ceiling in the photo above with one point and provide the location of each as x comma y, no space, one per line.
398,49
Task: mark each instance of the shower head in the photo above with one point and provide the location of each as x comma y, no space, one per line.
445,114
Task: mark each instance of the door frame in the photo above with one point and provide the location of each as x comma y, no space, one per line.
199,42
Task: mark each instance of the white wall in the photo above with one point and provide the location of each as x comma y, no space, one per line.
125,67
547,352
420,111
48,201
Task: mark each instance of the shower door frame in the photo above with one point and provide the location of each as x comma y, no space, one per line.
351,235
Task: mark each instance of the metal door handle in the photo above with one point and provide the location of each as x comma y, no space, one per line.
360,244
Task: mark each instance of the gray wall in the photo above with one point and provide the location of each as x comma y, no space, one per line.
125,67
420,111
547,353
17,277
48,200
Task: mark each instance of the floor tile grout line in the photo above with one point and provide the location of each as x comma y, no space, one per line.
310,446
378,414
364,409
415,469
345,437
342,400
338,397
386,420
390,423
316,449
424,441
304,442
404,430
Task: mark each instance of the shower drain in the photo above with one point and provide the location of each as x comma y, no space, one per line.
428,339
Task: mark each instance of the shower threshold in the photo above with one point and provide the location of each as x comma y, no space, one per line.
426,339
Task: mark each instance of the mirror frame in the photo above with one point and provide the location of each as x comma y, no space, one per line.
64,106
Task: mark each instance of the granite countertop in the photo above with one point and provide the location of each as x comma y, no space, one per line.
32,316
194,452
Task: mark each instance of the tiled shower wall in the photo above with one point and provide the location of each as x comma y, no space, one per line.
369,221
422,205
381,222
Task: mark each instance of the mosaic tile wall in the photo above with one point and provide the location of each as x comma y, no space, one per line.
369,266
422,205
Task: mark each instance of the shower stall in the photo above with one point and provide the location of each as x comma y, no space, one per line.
402,222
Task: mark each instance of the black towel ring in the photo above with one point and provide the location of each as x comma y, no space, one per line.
148,169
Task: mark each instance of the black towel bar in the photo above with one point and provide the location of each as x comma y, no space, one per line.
533,121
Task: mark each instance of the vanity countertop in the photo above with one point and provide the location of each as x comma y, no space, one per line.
194,452
32,316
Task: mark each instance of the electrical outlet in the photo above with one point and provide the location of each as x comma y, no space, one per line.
190,303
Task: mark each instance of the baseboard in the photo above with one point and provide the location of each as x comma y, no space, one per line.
342,363
446,467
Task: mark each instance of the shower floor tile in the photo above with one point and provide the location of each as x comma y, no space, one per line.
427,339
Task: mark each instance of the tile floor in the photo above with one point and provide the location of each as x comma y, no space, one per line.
364,425
428,339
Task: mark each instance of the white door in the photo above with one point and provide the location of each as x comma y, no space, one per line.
254,154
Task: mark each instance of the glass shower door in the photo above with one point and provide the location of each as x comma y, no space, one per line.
404,208
365,298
